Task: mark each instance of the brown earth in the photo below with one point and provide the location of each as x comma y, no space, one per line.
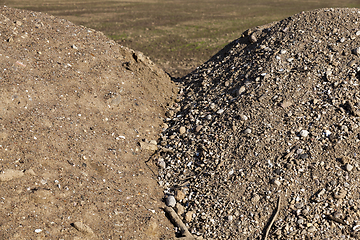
74,107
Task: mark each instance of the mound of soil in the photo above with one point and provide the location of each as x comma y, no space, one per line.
272,118
73,107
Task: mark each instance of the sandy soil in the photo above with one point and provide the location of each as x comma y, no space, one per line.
74,107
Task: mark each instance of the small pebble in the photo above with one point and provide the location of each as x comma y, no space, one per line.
349,167
170,201
247,131
230,218
253,38
286,104
198,128
179,209
220,111
327,133
182,130
304,133
38,230
241,90
356,228
161,163
189,216
312,229
179,194
243,117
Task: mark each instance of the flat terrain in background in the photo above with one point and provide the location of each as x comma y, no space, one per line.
177,34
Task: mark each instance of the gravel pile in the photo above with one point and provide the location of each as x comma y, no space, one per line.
73,107
275,113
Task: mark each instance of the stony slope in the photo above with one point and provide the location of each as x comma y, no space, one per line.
73,107
275,113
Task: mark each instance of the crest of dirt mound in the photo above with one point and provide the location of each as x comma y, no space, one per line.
73,107
265,143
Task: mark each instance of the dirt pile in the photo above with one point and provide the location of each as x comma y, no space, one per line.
73,107
275,113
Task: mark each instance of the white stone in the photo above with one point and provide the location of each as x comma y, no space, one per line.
220,111
349,167
161,163
304,133
243,117
327,133
170,201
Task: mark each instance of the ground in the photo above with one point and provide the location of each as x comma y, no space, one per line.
74,108
79,110
177,35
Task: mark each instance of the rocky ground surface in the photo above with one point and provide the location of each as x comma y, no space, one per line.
261,143
74,106
272,118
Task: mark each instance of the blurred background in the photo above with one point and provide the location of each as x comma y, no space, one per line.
178,35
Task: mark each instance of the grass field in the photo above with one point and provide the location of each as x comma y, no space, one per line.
177,34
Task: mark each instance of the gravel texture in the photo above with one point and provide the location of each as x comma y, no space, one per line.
275,113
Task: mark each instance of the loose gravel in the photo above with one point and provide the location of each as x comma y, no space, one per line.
275,113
